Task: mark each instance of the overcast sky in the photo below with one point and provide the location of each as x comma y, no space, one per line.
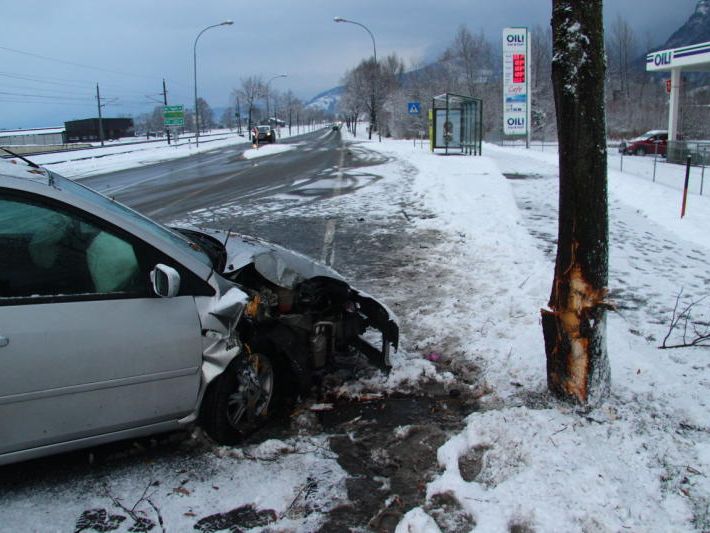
132,45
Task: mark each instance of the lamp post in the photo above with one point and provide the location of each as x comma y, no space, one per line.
267,94
194,58
373,115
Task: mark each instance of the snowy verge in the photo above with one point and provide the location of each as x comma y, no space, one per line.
267,150
638,462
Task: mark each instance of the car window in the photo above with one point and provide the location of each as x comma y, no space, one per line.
51,252
165,235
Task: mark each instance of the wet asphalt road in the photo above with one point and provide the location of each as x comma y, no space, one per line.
166,191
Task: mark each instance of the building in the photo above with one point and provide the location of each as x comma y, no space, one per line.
88,129
32,137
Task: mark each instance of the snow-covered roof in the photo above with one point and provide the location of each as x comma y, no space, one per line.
32,131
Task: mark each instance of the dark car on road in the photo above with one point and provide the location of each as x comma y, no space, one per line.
264,134
651,142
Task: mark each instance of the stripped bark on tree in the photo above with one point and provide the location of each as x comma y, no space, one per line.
574,325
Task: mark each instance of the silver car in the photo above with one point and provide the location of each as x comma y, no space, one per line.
113,326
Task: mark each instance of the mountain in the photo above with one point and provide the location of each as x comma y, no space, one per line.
327,100
695,30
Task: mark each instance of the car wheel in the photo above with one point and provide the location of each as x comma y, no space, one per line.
640,151
240,400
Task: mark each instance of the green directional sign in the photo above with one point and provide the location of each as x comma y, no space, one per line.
174,115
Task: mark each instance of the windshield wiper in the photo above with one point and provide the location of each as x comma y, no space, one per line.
30,163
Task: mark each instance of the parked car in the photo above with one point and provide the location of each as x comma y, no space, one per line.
651,142
113,326
265,134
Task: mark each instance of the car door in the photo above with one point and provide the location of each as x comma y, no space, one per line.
85,347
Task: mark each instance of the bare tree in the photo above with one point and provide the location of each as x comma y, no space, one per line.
227,120
251,90
692,332
206,114
543,106
574,326
470,56
150,122
622,47
369,86
292,108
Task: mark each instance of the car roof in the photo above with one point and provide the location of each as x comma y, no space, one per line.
14,168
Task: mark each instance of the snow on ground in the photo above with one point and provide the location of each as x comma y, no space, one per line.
119,156
289,483
482,235
267,150
638,462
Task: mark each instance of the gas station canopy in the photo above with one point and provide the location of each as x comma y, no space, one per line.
694,57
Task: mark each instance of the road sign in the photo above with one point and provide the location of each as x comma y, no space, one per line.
414,108
174,115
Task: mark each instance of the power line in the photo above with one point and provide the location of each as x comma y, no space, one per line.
79,65
64,62
55,97
18,101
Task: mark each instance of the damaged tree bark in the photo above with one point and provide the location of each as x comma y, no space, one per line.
574,326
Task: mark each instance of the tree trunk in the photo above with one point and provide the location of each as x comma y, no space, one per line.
574,326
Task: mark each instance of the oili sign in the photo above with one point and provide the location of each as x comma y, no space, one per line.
516,69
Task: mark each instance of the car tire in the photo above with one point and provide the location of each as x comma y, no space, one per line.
240,400
640,151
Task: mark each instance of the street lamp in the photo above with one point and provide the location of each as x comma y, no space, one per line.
373,116
194,57
267,94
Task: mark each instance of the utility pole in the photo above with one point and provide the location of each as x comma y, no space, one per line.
165,102
239,118
101,122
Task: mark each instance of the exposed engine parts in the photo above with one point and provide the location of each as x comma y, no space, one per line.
311,323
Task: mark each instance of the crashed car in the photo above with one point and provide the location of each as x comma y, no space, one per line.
113,326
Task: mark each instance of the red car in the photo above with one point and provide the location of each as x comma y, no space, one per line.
651,142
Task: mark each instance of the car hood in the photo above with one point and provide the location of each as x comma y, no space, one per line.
286,268
277,264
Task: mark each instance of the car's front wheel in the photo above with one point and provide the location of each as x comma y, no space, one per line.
240,400
640,151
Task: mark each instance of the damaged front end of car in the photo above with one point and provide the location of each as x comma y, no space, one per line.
306,309
280,310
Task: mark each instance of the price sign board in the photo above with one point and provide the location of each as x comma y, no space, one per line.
516,42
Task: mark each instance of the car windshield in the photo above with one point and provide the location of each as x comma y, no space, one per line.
156,230
264,128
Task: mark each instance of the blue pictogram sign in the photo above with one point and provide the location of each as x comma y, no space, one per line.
414,108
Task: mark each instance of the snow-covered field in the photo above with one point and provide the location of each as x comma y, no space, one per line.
640,462
118,156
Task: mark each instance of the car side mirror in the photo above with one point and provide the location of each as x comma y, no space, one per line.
165,280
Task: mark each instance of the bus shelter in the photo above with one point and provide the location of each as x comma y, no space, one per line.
456,124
